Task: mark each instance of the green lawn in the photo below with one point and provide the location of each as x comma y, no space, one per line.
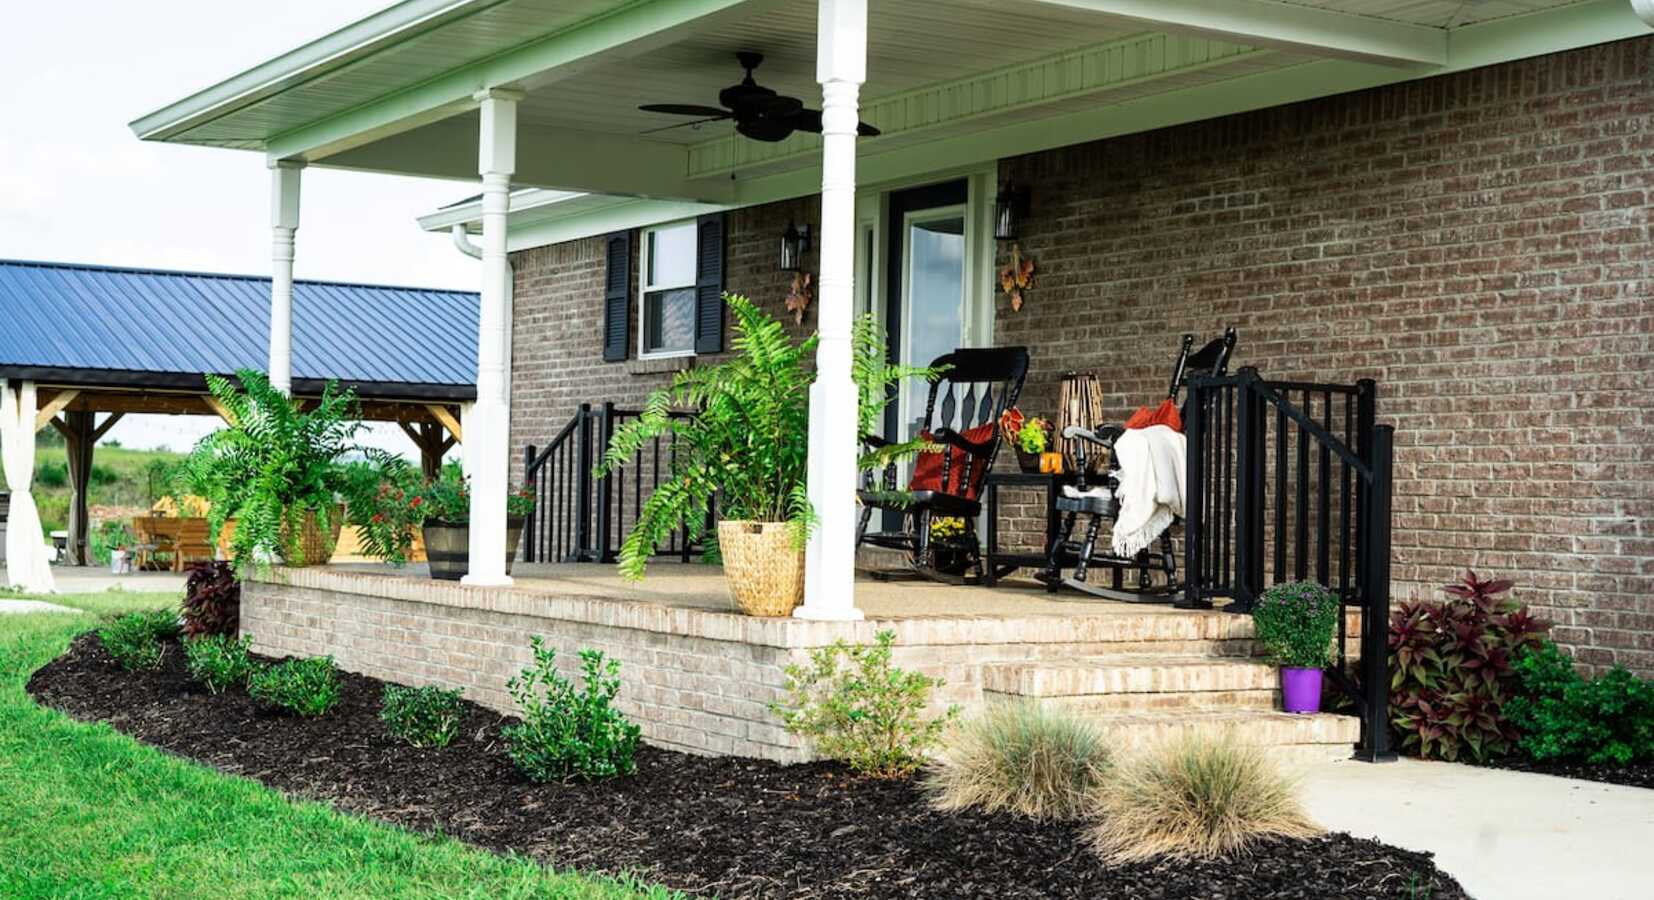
88,812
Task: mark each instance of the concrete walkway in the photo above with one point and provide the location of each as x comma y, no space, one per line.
1503,835
96,580
10,606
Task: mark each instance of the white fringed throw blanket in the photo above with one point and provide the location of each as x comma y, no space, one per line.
1151,485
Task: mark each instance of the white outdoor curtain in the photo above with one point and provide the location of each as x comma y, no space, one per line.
28,566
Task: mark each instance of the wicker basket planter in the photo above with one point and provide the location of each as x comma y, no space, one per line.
313,546
448,547
765,572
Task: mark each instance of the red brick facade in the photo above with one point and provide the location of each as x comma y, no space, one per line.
1477,243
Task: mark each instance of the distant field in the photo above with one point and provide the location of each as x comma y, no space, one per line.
120,477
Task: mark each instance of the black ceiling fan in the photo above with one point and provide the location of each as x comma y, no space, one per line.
759,112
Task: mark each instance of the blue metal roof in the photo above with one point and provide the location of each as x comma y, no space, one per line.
115,326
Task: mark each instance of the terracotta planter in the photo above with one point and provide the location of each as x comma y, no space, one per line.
448,547
764,571
312,546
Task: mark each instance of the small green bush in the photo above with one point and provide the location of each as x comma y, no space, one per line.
424,716
218,661
856,707
308,687
1198,796
1563,717
567,733
136,639
52,475
1296,622
1020,757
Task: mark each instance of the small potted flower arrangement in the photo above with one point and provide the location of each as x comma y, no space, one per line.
1031,438
445,509
1295,622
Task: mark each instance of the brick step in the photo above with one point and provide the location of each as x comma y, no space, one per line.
1291,737
1091,705
1145,674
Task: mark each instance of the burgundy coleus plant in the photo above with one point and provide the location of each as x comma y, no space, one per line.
1452,669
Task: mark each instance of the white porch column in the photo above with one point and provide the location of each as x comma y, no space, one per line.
841,67
486,434
28,565
284,225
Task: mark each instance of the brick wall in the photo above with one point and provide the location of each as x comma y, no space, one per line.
1478,243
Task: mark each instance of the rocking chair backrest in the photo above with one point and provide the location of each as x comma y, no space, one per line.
979,384
1212,359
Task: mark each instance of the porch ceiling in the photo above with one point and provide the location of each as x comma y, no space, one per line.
393,92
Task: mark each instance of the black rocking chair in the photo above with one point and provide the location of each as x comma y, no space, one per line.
976,387
1098,503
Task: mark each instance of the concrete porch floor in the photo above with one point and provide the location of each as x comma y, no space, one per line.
700,586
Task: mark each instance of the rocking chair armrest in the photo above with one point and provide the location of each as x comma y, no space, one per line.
1104,436
955,439
874,442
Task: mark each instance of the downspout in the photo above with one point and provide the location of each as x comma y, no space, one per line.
463,242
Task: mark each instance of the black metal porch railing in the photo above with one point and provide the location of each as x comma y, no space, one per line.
1291,481
580,517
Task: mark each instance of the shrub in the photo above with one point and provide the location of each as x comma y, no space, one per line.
856,707
1451,669
1020,757
567,733
212,600
308,687
382,503
1295,622
1562,716
218,661
135,639
424,716
52,475
1196,796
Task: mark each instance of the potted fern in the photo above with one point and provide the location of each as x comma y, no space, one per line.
443,507
746,445
274,470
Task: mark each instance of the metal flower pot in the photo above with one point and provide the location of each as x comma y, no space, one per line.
448,547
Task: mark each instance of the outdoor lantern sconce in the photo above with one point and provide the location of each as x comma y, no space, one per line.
1010,208
794,242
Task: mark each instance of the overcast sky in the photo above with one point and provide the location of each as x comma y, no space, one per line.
76,186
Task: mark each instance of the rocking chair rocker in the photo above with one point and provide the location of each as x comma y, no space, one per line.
1100,502
962,416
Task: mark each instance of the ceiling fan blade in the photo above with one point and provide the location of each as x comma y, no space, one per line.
685,109
689,124
810,120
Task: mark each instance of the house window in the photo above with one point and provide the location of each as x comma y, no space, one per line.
667,313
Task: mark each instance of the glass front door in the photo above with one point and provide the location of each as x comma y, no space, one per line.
927,315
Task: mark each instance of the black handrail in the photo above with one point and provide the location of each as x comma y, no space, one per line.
1305,497
580,516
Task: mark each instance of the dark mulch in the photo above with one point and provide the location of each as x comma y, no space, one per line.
729,827
1633,775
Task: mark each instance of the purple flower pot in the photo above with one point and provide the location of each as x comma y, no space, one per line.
1300,690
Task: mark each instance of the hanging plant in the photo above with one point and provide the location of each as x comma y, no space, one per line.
1016,276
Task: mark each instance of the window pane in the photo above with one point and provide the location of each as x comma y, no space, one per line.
671,256
669,321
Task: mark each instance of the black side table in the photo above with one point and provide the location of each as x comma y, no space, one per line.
998,563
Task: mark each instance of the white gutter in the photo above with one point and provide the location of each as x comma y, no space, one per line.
463,242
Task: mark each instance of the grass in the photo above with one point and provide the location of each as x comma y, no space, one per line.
90,813
122,477
1020,757
1196,797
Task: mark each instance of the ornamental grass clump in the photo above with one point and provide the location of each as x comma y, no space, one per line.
423,716
219,661
306,687
1020,757
1452,670
1295,623
567,733
856,707
1197,796
137,640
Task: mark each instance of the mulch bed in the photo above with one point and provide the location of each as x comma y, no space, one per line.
1633,775
717,826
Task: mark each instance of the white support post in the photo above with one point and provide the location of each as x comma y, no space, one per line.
284,226
486,431
829,569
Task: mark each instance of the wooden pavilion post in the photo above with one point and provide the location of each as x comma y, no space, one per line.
80,437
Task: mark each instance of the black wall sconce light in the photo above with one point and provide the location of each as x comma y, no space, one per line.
795,242
1010,210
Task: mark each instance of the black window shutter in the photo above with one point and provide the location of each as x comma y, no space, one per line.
709,284
617,298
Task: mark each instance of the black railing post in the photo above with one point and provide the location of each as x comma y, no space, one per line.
1194,520
605,485
1249,485
1366,412
583,487
529,525
1374,552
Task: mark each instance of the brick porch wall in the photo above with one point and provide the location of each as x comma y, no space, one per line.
1478,243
